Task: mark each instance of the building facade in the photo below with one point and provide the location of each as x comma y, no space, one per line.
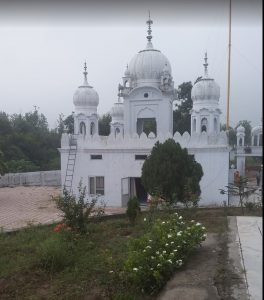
110,166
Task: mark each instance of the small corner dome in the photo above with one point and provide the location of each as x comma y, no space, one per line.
117,112
256,130
86,97
240,129
205,89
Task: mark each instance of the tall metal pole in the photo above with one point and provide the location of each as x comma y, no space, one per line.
229,61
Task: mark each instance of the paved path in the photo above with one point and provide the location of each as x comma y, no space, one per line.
23,206
250,236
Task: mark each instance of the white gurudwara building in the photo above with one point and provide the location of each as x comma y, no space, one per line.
110,166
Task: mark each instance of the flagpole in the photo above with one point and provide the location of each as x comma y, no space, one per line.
228,74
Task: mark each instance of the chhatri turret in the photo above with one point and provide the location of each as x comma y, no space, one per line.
85,101
205,114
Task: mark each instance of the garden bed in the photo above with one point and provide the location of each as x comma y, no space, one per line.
88,274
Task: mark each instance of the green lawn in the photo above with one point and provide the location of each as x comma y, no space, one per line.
86,263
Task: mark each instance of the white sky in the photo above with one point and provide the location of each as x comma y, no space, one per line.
42,52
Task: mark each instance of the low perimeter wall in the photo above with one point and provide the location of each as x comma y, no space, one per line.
44,178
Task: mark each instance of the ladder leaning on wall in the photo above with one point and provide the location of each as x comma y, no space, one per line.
70,163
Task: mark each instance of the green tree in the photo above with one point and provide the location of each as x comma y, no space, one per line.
5,126
27,143
104,124
182,114
3,166
169,171
69,123
231,135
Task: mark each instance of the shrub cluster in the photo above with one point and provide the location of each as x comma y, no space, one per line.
133,209
78,210
157,254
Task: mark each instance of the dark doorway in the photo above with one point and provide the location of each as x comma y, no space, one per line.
140,191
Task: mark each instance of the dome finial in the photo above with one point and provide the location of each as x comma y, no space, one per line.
205,65
149,36
85,74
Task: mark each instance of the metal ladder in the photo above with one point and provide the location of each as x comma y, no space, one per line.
71,163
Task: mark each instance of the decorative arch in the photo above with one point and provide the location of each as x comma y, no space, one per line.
204,124
215,124
117,131
146,112
82,128
92,128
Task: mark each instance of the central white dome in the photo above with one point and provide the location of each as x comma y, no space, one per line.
148,64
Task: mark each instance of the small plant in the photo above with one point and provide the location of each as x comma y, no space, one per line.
154,257
241,189
133,209
76,211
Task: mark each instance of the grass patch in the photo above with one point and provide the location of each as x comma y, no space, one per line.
94,254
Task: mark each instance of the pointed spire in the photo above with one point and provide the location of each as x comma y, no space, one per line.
149,36
127,73
85,74
205,65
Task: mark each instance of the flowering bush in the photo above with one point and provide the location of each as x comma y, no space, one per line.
157,254
77,210
60,227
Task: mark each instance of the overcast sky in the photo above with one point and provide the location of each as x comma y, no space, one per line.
43,46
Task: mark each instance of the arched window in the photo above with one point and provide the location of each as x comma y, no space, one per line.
240,142
82,128
255,140
204,125
215,125
117,131
194,125
92,128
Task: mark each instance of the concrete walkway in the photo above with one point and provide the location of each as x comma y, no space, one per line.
250,238
22,206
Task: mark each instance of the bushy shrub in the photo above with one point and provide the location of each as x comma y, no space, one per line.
56,252
76,211
133,209
156,255
253,205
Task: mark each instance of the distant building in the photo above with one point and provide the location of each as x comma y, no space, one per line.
110,166
242,151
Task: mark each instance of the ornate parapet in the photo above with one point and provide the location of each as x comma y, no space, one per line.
143,141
